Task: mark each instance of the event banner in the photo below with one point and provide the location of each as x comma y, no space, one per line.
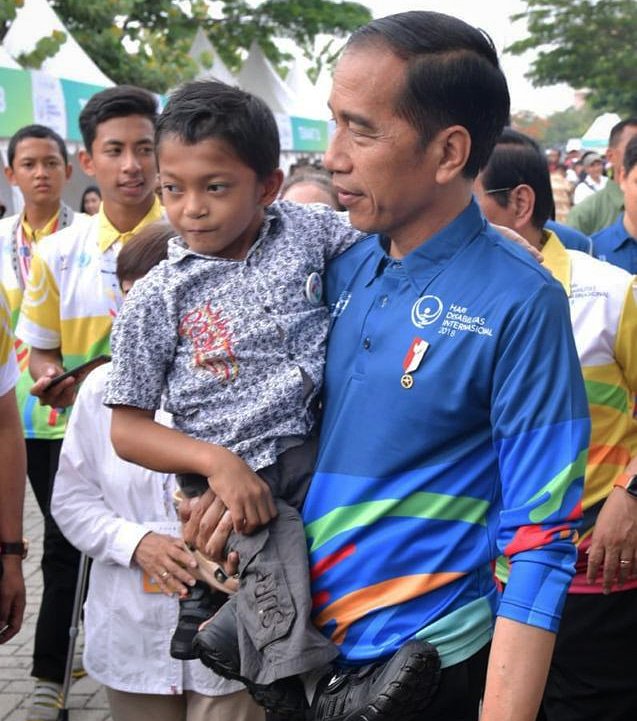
32,96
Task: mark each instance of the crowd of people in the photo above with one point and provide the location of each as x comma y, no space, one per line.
366,446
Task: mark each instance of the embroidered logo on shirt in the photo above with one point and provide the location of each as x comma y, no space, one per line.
426,310
211,341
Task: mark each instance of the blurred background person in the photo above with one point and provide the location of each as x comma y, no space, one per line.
91,199
310,186
594,179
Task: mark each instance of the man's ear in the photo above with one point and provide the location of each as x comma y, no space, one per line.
454,146
68,170
621,178
271,187
522,200
86,162
9,175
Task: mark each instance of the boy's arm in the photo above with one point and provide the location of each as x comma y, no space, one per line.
138,438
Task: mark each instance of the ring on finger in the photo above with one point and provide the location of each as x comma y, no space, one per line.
624,562
164,575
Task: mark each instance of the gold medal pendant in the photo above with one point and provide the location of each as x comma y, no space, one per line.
407,381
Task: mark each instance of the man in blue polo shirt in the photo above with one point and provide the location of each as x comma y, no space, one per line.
455,419
618,243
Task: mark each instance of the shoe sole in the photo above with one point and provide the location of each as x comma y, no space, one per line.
405,696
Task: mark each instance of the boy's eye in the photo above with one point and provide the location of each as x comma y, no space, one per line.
216,187
170,188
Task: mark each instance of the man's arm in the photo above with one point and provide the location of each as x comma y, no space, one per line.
138,438
43,366
518,666
12,483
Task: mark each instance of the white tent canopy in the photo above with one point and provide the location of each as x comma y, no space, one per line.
597,134
36,19
258,77
309,102
6,61
201,45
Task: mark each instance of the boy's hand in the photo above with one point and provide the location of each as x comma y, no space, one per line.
244,494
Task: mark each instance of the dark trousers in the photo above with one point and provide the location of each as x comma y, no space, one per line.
60,563
592,675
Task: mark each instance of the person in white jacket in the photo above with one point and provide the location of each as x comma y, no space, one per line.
122,516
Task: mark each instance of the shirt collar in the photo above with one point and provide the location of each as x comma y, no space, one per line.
424,263
33,236
620,236
557,260
108,234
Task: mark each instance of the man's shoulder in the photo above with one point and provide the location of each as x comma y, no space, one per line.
598,273
491,255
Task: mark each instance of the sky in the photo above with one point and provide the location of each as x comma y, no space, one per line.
493,17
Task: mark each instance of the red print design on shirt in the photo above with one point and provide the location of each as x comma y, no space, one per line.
211,342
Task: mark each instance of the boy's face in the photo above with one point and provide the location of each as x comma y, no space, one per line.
122,160
628,183
39,170
212,198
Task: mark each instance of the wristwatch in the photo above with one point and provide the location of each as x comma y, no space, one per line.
14,548
629,484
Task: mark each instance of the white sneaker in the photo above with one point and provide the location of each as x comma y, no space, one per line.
46,701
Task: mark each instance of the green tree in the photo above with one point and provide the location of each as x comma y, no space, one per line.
587,44
146,42
565,124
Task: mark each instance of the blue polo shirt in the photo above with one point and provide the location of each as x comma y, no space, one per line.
455,428
570,237
615,245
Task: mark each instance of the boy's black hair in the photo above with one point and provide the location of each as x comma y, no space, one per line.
630,155
518,160
617,130
35,131
209,109
453,77
118,102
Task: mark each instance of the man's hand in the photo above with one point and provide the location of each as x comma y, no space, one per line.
167,560
61,395
207,527
12,598
614,542
517,238
246,496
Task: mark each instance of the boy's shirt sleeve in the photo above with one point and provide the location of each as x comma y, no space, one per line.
143,343
39,323
541,431
324,227
8,361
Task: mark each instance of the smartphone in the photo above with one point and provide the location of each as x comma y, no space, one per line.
80,372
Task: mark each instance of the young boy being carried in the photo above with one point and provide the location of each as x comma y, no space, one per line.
231,331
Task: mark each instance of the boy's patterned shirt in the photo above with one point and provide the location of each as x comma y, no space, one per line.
236,346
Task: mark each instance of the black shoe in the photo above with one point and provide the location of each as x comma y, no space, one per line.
217,647
398,689
200,604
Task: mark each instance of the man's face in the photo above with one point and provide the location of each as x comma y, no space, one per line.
383,175
122,160
39,170
492,210
628,183
594,169
616,155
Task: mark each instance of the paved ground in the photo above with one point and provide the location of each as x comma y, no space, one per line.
87,700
